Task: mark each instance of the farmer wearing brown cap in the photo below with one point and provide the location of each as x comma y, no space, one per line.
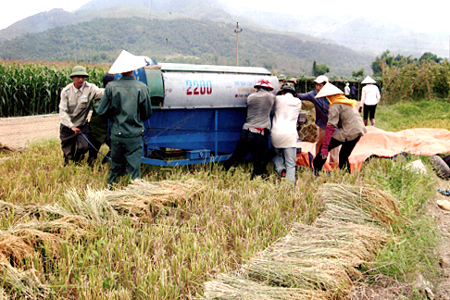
76,99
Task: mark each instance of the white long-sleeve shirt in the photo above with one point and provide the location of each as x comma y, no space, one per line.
370,95
284,124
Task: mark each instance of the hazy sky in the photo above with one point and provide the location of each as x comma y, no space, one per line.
419,15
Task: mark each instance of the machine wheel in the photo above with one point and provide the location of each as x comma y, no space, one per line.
441,167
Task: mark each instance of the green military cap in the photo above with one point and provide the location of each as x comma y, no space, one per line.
79,71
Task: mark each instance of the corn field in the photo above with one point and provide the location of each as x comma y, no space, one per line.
33,88
427,80
28,88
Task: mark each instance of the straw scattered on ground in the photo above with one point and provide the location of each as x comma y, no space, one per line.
48,227
320,261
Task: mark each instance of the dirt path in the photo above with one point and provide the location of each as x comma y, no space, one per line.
18,133
443,216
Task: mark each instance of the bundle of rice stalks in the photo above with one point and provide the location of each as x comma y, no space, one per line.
140,199
305,273
159,192
144,199
46,244
367,202
350,242
69,227
229,287
51,212
308,133
14,250
309,106
92,205
326,256
22,284
40,239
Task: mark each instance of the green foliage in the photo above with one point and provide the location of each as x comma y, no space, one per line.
319,69
359,73
428,56
427,80
387,60
35,88
419,114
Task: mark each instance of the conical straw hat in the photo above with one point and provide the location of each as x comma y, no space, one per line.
368,79
328,90
127,62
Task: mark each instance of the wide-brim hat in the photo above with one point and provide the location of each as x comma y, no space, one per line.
293,79
328,90
289,89
321,79
79,71
264,83
127,62
368,79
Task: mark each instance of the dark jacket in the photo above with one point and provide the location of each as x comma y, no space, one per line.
126,102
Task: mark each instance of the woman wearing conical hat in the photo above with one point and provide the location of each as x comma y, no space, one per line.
370,97
344,127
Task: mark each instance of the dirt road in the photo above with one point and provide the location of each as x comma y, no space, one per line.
20,132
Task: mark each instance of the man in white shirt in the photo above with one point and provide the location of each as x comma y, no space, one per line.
347,90
284,133
370,97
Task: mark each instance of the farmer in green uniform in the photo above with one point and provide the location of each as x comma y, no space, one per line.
126,102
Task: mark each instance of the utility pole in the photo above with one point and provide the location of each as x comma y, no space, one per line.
237,30
151,7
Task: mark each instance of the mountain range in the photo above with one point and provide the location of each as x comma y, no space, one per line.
200,31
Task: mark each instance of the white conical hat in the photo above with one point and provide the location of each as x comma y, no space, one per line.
328,90
368,79
127,62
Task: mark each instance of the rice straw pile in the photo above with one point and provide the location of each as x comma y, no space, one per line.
319,261
309,131
53,225
141,199
20,284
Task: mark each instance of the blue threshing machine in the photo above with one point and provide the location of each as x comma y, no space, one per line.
198,111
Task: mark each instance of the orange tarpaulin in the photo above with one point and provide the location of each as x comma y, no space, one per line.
417,141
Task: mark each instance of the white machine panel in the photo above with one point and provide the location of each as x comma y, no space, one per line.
209,90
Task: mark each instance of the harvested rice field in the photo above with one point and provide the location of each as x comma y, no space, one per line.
200,233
